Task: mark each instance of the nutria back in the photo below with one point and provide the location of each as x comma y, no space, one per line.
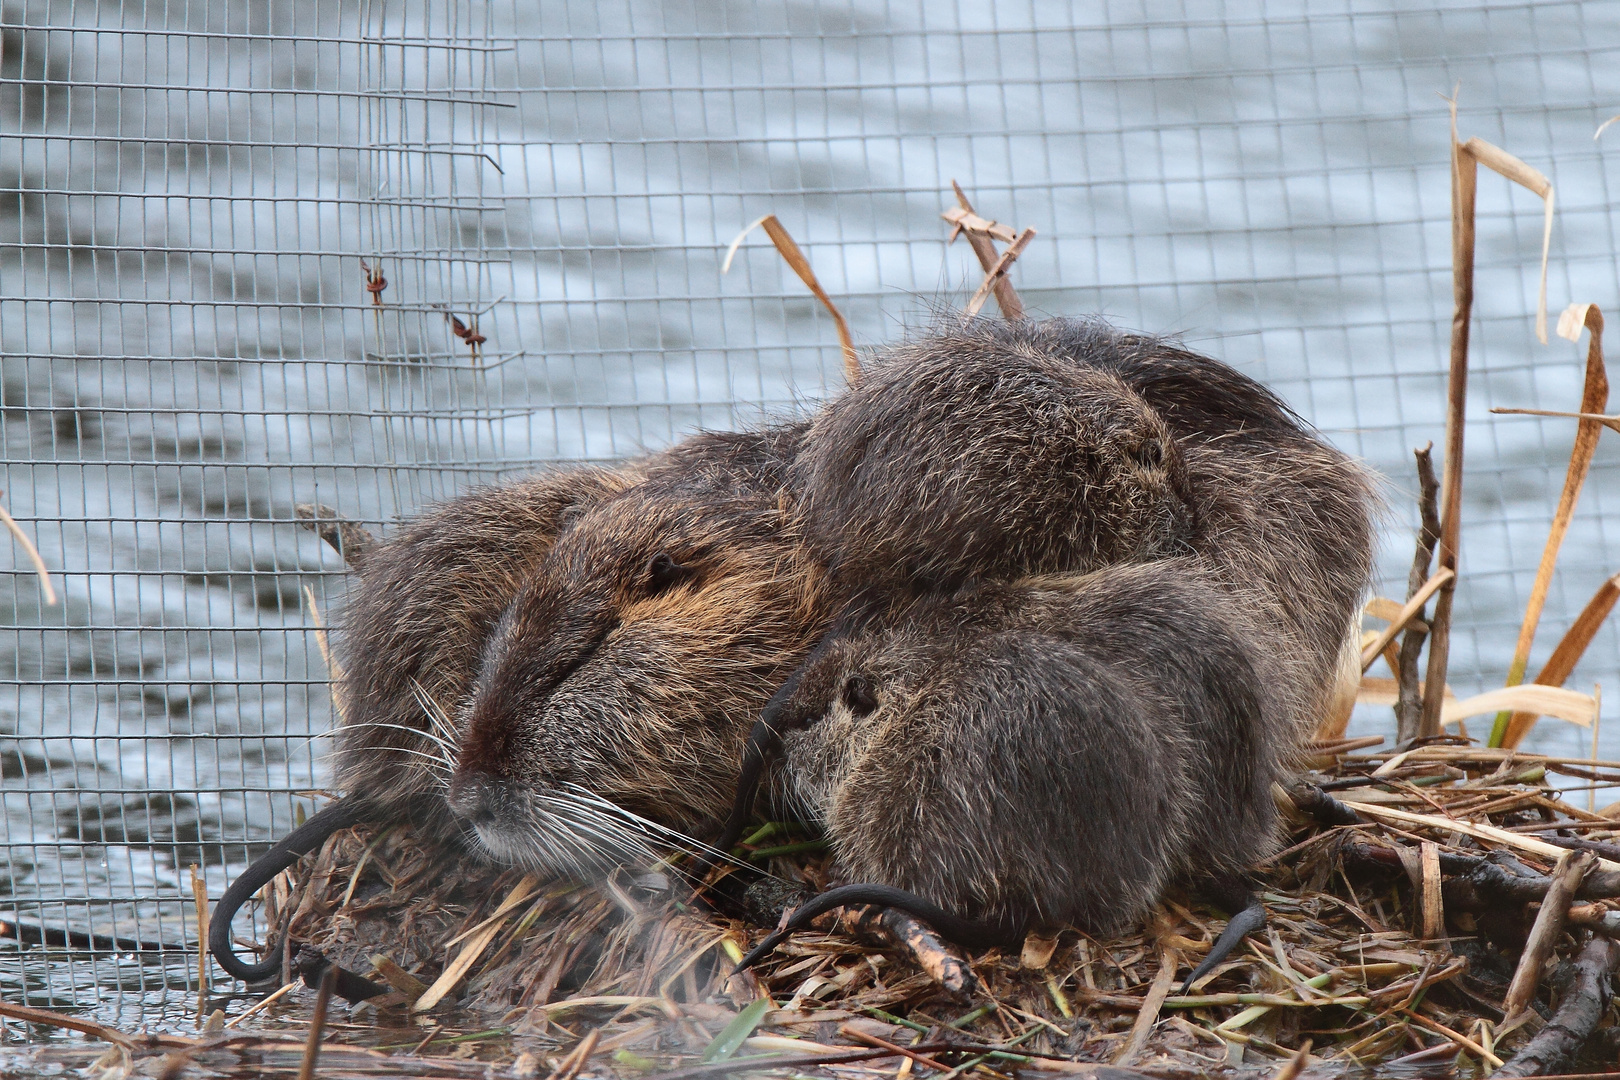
959,456
1045,753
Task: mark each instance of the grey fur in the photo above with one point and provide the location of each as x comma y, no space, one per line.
1044,753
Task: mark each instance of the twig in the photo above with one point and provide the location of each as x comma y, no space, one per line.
317,1024
1565,880
1584,1004
981,235
873,1040
997,273
1594,399
33,555
1409,706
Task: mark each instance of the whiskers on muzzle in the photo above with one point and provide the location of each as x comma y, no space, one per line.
573,832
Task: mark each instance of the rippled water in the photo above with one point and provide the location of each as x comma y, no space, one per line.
189,349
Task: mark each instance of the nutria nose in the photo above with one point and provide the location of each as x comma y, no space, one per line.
475,798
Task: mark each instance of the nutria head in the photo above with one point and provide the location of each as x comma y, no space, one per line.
616,691
959,457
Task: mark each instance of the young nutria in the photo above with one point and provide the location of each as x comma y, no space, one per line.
996,449
1040,754
989,451
960,456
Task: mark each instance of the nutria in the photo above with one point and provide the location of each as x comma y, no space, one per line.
1039,754
995,449
429,601
966,456
618,687
960,456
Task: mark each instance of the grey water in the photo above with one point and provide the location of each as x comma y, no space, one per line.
188,348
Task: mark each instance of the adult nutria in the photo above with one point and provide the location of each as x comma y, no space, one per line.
428,603
1040,754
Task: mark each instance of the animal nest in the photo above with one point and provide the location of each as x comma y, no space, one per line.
1394,935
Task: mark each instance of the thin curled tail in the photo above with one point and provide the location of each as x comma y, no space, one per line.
302,840
971,933
1250,916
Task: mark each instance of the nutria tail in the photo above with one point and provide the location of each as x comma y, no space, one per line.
286,851
971,933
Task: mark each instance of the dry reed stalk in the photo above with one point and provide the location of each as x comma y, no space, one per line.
998,272
800,265
317,1025
33,555
1532,698
262,1004
1594,398
1407,613
1571,647
1566,879
981,234
485,933
1434,917
1152,1004
199,895
1465,161
1295,1065
1464,176
1469,828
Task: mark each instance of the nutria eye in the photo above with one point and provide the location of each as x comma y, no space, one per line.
664,572
859,696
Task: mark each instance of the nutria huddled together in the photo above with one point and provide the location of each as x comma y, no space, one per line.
1028,619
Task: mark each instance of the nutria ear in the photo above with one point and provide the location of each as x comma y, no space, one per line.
859,696
663,572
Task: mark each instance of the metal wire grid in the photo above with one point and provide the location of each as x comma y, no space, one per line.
189,346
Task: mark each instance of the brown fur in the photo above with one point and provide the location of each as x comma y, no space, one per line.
1044,753
999,449
616,691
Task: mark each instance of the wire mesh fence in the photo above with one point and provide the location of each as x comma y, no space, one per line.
246,251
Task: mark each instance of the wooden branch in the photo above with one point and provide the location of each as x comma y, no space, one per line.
1409,704
1565,880
1584,1005
981,235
